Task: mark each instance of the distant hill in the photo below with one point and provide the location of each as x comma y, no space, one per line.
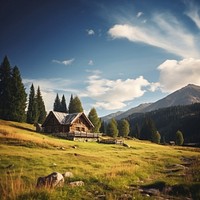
185,118
187,95
112,115
139,109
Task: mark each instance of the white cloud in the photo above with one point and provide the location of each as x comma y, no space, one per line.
177,74
49,88
91,62
114,94
139,14
164,32
64,62
194,14
90,32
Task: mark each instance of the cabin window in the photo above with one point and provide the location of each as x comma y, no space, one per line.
83,129
78,128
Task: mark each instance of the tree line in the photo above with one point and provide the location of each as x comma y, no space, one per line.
13,97
75,105
168,121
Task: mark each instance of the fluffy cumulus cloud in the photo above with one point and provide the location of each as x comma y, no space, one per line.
176,74
164,31
114,94
64,62
49,88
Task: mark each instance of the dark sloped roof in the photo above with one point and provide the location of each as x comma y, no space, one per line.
65,118
60,116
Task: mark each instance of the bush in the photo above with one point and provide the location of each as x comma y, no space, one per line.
179,138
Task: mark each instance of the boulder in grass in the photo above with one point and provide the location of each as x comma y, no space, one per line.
53,180
68,175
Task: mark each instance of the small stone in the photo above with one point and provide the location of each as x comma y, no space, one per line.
126,145
76,184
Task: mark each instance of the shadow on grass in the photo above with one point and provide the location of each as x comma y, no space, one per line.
190,190
159,185
23,128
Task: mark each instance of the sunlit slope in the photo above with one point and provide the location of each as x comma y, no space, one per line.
105,168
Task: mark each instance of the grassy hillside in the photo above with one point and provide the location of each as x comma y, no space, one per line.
108,171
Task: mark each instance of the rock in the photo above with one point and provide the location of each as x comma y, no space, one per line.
76,183
54,164
152,192
68,175
74,147
53,180
126,145
101,197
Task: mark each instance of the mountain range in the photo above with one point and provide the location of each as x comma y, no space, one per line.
187,95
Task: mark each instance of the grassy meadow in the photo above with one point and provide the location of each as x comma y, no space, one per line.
108,171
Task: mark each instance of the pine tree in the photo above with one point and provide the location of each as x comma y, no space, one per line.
5,90
112,128
103,127
40,106
70,108
145,132
153,131
179,138
124,128
137,135
63,105
93,117
57,104
148,130
75,105
32,112
19,95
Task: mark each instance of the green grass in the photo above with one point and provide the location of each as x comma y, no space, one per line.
107,170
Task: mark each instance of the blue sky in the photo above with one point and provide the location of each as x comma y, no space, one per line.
113,54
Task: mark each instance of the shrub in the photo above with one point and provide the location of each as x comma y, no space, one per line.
179,138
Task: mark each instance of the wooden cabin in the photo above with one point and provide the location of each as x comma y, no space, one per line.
75,126
57,122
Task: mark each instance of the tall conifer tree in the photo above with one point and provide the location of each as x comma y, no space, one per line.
93,117
71,106
112,128
19,95
32,113
103,127
75,105
57,104
5,89
63,105
40,106
148,131
124,128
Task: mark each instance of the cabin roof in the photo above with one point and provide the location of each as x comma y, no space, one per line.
67,119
